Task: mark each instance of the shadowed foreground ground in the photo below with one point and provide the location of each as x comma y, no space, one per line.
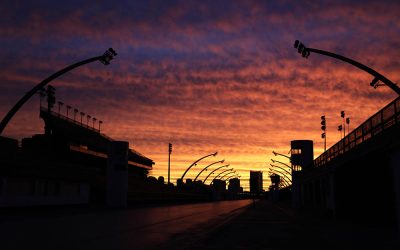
268,226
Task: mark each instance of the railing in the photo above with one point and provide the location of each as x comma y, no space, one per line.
63,117
82,124
382,120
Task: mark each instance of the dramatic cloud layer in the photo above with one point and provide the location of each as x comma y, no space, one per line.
204,75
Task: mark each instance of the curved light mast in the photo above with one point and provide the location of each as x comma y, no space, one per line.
105,59
221,161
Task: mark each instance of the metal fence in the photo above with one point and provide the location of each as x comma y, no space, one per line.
382,120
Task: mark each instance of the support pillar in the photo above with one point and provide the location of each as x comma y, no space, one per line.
117,174
395,165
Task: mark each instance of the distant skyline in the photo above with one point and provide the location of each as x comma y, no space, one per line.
205,76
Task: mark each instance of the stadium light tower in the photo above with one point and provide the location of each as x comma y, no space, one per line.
105,59
194,163
305,52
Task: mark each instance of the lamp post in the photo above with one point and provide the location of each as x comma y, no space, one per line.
194,163
228,175
305,52
275,153
274,161
231,169
75,112
275,166
105,59
100,122
340,128
82,114
60,104
68,108
227,165
343,115
222,176
169,162
87,120
221,161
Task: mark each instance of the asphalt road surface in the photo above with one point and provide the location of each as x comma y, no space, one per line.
138,228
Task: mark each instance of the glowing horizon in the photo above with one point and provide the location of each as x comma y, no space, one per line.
205,76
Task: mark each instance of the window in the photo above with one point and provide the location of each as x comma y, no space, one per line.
296,151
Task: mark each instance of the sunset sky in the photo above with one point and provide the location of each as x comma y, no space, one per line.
204,75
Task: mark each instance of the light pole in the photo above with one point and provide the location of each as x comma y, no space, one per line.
228,175
227,165
222,176
82,114
100,122
105,59
275,153
221,161
60,104
305,52
275,166
231,169
169,161
274,161
342,114
87,120
68,108
194,163
323,128
75,112
340,128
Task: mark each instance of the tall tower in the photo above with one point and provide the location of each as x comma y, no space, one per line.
302,158
302,154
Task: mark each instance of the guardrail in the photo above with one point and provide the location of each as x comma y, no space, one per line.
380,121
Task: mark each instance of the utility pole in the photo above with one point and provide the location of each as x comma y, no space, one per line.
323,128
344,125
169,161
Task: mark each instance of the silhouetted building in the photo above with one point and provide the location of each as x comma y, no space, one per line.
302,154
66,165
256,182
302,157
234,185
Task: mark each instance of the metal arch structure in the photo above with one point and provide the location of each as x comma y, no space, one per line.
105,59
305,51
194,163
227,165
221,161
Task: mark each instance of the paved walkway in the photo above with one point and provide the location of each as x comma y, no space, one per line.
137,228
268,226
